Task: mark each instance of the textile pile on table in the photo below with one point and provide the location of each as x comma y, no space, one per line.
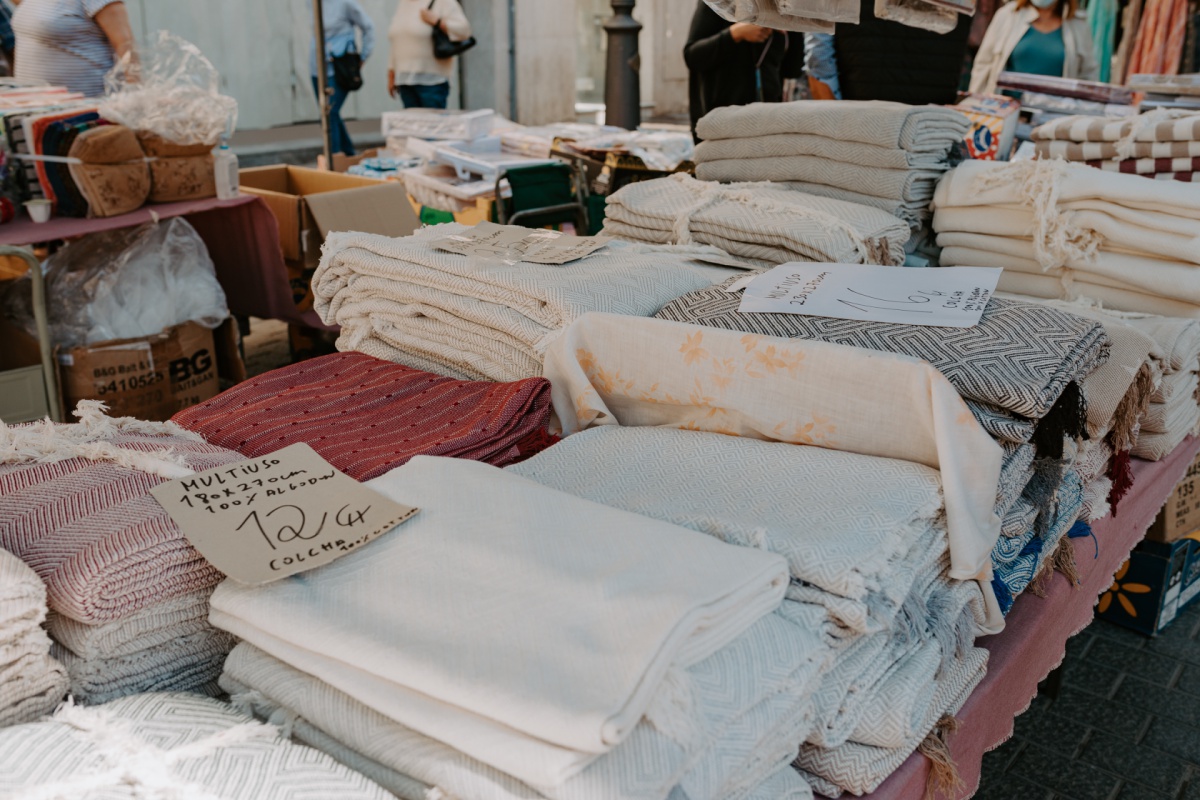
1162,144
128,595
167,744
31,682
366,416
1024,391
881,154
886,562
1067,231
820,16
648,677
759,222
403,300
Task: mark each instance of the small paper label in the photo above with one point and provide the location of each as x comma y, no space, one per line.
270,517
513,244
951,297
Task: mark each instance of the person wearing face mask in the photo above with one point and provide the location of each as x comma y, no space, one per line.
1042,37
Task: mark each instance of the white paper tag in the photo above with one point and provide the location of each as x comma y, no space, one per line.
265,518
513,244
950,297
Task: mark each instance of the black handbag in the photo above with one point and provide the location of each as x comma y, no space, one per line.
347,70
443,46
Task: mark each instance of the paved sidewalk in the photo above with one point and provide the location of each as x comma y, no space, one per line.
1125,726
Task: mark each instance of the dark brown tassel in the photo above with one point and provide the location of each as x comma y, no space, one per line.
1120,472
943,773
1067,418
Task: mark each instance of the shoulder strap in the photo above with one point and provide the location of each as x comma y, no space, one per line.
431,2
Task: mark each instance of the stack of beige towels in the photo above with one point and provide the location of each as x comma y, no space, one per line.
1067,231
1163,144
881,154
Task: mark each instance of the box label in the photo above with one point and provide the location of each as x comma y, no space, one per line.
270,517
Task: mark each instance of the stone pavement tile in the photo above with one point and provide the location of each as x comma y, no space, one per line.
1045,729
1094,676
1147,665
1133,791
1074,779
1189,679
1138,694
1005,786
1108,630
1182,741
1077,645
1088,709
1151,768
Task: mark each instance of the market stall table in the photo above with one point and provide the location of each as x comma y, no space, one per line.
1034,639
241,235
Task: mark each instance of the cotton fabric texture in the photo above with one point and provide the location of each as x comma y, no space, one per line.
474,319
756,221
366,416
31,682
454,682
610,370
156,744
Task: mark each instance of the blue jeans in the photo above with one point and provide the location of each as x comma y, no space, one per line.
338,134
425,96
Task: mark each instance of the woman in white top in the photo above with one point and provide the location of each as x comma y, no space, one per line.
71,43
1042,37
414,75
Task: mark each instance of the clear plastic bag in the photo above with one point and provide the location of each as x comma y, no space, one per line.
123,284
170,90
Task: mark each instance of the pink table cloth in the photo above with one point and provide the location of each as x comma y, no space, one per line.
1034,640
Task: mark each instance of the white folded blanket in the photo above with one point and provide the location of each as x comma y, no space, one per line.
756,220
31,682
798,144
891,184
929,129
150,627
751,697
444,615
485,319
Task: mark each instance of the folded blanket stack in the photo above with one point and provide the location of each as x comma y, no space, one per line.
889,572
658,660
31,682
881,154
760,222
366,416
128,594
1065,231
1024,391
1162,144
167,745
403,300
1173,413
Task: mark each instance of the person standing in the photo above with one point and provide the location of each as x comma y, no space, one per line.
734,64
344,21
71,43
415,74
1041,37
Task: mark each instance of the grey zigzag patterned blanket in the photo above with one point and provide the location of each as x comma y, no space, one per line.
1020,357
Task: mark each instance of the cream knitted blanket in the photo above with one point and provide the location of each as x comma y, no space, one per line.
756,220
31,682
440,627
400,299
905,185
928,129
779,145
152,626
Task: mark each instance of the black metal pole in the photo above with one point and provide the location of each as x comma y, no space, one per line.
622,87
322,88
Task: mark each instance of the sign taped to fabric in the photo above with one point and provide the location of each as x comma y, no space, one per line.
273,516
513,244
949,297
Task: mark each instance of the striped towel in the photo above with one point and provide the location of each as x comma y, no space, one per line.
366,416
1092,151
1148,166
1179,125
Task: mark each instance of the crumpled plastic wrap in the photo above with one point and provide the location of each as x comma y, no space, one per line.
931,16
171,90
124,284
767,14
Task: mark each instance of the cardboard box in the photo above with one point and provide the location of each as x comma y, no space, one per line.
1158,581
23,395
151,377
309,203
1180,516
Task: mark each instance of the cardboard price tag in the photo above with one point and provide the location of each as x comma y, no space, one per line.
513,244
270,517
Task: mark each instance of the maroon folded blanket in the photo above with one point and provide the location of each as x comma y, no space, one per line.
92,531
366,416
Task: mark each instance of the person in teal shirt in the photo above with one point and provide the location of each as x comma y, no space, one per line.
1043,37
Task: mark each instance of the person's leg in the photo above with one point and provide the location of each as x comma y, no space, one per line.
410,96
337,126
435,96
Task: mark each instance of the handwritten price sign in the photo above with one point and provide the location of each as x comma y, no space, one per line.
951,297
264,519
